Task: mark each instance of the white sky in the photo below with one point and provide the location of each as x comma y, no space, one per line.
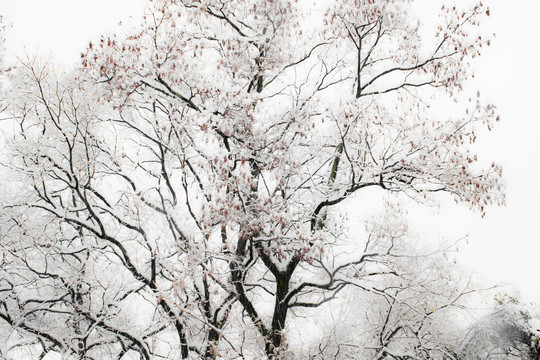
504,246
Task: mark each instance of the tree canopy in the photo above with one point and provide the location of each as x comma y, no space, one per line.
185,192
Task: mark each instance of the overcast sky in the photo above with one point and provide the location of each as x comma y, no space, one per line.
505,245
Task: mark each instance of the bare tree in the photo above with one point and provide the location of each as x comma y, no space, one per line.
193,174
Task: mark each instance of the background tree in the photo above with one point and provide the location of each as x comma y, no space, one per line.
510,331
3,66
417,312
193,175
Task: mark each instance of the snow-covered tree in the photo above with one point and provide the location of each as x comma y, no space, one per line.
184,194
510,331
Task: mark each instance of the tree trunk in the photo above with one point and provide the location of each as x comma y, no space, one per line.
281,307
